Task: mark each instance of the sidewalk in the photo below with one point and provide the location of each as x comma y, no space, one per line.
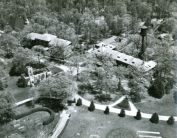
132,111
23,102
64,118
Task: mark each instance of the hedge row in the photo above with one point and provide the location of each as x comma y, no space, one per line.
38,109
154,118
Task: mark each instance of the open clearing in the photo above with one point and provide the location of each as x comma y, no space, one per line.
85,124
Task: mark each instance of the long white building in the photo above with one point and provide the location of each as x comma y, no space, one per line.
126,59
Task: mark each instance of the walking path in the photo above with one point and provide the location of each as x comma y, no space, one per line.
64,118
148,134
23,102
132,112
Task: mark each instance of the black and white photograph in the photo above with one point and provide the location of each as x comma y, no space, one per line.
88,68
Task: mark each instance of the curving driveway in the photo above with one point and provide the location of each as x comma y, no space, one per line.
132,112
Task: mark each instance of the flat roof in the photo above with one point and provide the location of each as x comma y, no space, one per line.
52,39
130,60
45,37
59,42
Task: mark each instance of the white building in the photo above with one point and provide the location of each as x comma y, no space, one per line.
47,40
126,59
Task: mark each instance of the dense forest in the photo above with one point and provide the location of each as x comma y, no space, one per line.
144,31
67,19
84,23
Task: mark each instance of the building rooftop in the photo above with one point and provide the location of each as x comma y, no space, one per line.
52,39
130,60
45,37
102,44
110,41
59,42
166,36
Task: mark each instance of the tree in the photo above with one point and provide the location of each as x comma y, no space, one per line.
135,94
53,92
164,78
91,108
22,82
106,110
154,118
9,43
1,85
120,73
22,56
6,112
171,120
138,115
3,79
157,89
17,70
59,53
79,102
122,113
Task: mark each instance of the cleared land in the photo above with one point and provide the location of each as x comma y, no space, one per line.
84,124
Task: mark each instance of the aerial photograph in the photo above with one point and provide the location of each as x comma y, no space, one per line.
88,68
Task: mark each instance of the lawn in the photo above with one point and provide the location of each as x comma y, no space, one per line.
29,126
164,106
18,93
84,124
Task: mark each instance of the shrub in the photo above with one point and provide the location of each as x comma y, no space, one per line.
55,104
122,113
9,55
36,65
103,97
17,70
7,115
22,82
154,118
171,120
84,88
138,115
135,95
38,109
175,97
91,108
79,102
124,104
106,110
157,89
3,84
30,104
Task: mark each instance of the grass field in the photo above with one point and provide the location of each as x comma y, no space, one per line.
84,124
164,106
29,126
18,93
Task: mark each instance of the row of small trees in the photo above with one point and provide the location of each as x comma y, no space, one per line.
154,118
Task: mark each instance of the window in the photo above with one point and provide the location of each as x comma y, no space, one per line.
118,57
125,59
133,62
